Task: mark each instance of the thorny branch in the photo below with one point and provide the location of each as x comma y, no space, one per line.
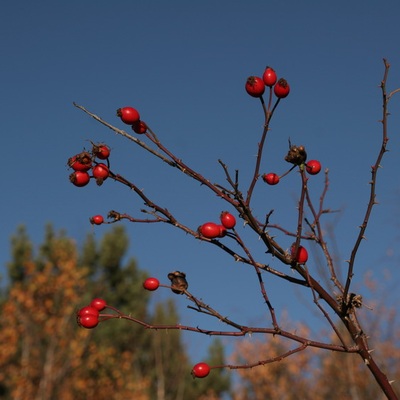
372,196
161,214
171,159
240,330
343,306
318,234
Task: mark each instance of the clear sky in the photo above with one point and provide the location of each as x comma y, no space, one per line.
183,65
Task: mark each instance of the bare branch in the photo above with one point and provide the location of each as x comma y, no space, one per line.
372,196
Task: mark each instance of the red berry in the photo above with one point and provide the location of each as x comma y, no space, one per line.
129,115
96,220
222,231
255,86
271,178
79,178
210,230
139,127
201,370
101,151
281,89
100,171
88,310
88,321
269,77
227,220
151,284
80,162
88,317
302,255
98,304
313,167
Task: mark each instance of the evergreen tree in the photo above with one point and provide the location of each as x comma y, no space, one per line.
45,355
219,381
21,252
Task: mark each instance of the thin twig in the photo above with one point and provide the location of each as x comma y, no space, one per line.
372,196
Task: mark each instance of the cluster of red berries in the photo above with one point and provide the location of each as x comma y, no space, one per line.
88,316
131,116
85,161
255,85
211,230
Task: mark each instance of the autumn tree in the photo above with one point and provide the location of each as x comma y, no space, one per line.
288,378
379,316
170,378
316,374
337,302
41,348
43,352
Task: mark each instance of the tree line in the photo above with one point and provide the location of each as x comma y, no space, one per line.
44,354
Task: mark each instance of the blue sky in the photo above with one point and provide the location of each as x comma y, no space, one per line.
183,65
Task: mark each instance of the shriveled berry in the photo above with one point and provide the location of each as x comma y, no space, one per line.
296,155
80,162
101,151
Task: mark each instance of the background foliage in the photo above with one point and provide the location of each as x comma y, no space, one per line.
45,355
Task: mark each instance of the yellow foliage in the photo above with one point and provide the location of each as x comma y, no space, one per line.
313,374
286,379
43,353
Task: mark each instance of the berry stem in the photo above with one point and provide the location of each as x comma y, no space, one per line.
268,116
